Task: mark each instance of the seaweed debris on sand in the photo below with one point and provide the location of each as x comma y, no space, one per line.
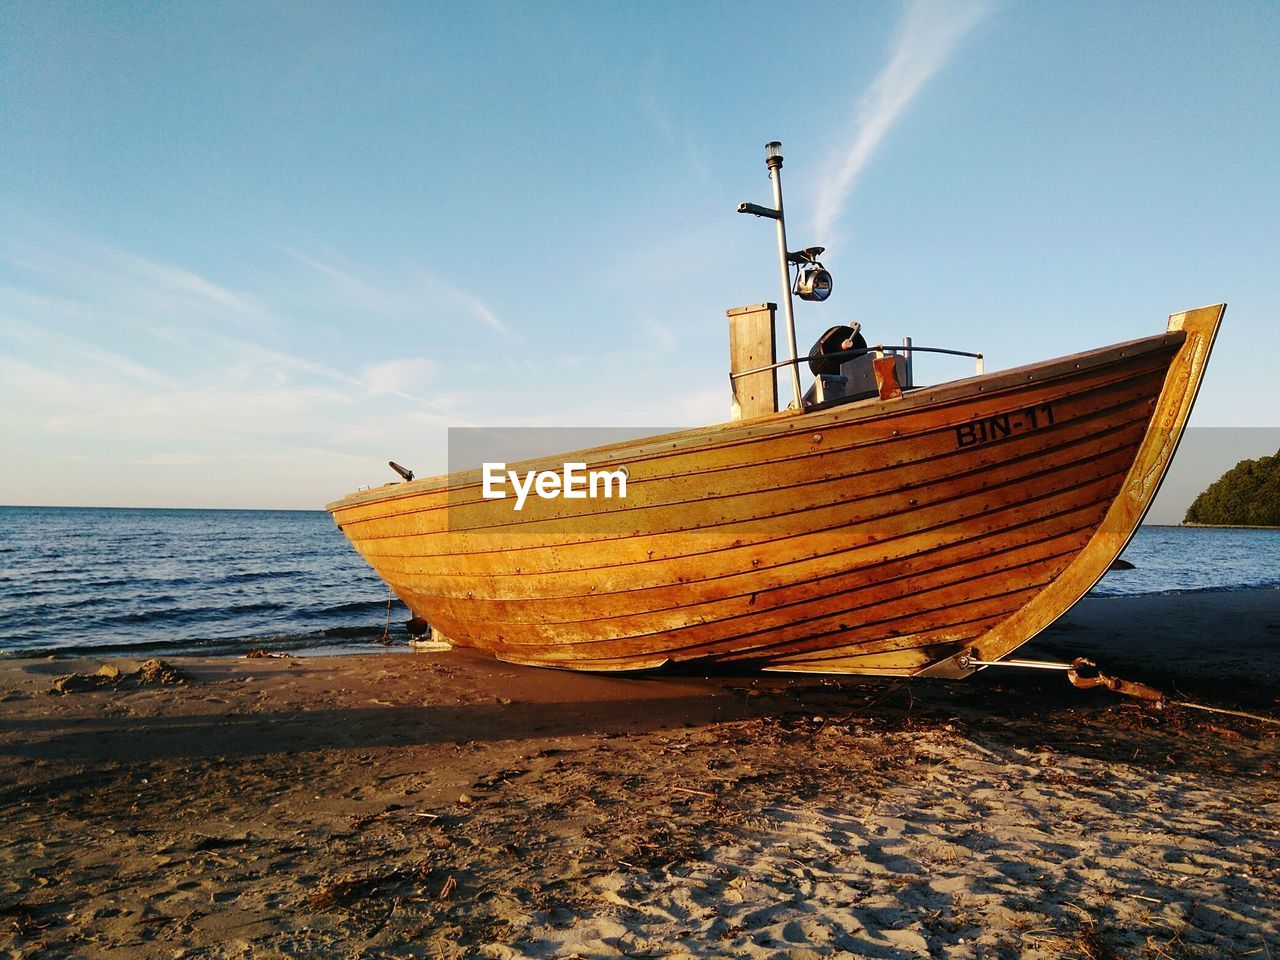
110,675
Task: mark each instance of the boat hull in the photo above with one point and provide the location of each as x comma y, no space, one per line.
877,537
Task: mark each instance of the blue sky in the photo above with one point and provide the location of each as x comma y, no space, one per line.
252,251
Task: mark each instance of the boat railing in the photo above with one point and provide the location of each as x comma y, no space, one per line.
906,350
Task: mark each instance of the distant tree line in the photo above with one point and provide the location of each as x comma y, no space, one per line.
1246,495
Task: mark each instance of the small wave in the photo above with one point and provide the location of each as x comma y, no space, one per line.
351,608
352,633
256,575
158,614
1105,593
63,604
63,601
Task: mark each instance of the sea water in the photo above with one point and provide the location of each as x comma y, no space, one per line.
226,581
210,581
1178,559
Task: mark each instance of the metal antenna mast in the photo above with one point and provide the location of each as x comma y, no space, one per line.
773,160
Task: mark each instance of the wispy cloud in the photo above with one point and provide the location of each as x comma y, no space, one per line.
391,296
105,277
396,376
474,307
683,133
122,352
177,282
389,378
656,334
56,342
928,35
354,290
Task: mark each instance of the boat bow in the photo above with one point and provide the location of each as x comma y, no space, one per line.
1164,432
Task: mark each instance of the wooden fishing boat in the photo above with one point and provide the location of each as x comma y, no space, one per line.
912,532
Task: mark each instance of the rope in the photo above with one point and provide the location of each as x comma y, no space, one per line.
386,630
1233,713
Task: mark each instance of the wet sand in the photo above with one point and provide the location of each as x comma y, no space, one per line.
429,805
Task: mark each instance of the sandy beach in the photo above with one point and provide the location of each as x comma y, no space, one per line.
443,805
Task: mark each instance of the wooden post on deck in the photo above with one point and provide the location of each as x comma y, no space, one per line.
751,345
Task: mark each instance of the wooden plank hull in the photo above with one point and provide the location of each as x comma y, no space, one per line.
880,537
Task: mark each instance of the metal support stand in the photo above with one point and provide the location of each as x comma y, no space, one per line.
967,661
1084,675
